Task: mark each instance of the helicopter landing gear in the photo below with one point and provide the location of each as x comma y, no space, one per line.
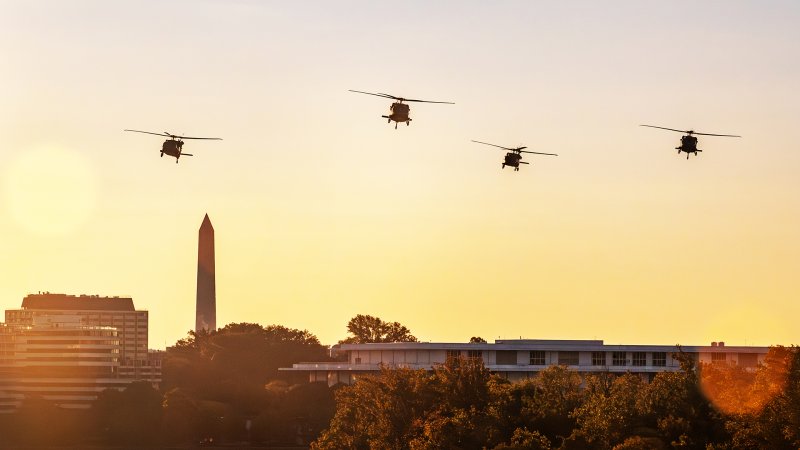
503,166
408,123
516,169
395,125
162,154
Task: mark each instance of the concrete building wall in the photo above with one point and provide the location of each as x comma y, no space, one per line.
522,359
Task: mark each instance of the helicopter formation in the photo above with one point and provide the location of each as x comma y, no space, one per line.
399,113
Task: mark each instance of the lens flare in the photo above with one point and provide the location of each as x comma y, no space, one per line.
50,190
736,390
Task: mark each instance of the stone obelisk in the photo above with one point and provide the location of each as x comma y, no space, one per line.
206,285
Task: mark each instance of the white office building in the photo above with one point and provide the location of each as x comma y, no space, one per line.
523,358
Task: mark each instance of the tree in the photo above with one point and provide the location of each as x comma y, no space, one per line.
523,439
368,329
385,410
216,381
477,340
607,418
132,416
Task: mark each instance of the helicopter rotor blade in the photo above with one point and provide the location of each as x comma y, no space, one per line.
377,95
186,154
149,132
691,131
722,135
173,136
670,129
204,138
426,101
539,153
498,146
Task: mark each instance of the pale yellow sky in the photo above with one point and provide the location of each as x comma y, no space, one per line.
323,211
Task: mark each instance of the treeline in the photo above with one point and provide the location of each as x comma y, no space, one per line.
461,405
224,388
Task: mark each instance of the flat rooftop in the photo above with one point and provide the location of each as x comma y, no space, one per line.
48,301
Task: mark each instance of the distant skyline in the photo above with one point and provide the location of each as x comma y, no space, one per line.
323,211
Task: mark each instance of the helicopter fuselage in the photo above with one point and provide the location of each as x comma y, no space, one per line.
172,147
398,112
513,159
688,145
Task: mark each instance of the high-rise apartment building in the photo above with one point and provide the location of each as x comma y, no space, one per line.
95,311
59,359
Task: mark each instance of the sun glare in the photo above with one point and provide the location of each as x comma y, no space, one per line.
50,190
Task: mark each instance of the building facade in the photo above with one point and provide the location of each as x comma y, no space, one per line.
521,359
58,359
67,349
96,311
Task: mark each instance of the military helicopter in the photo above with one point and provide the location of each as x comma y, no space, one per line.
174,145
399,110
514,156
689,142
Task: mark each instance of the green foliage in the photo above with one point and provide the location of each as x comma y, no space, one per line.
368,329
608,416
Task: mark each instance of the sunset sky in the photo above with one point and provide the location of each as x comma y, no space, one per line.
323,211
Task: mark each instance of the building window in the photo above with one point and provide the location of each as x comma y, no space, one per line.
659,359
719,358
452,354
748,359
598,358
506,357
475,354
639,358
358,360
618,359
568,358
537,358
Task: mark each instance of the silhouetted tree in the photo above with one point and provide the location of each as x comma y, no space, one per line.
217,381
477,340
368,329
41,422
132,416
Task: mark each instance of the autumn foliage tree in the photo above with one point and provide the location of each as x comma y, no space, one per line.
461,405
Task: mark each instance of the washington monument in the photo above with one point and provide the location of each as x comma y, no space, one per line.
206,285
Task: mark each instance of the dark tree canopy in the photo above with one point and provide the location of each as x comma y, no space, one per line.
365,329
477,340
